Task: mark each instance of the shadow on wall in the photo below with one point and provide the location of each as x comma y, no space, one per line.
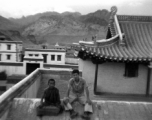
3,75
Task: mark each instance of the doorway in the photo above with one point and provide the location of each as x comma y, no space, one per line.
30,67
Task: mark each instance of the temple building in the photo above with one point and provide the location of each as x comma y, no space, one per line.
121,63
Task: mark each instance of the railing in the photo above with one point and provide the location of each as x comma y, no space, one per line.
20,89
30,87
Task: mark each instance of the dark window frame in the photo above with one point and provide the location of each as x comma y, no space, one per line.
131,69
8,57
8,47
59,57
52,57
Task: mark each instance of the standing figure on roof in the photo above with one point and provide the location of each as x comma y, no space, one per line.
94,39
78,91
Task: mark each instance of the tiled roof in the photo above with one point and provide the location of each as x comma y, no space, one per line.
137,40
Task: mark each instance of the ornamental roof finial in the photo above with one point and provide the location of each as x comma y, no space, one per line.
114,9
113,12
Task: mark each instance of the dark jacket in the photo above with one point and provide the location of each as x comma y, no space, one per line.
51,96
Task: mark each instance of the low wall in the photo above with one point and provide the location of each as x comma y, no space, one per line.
60,66
62,74
28,88
12,67
71,60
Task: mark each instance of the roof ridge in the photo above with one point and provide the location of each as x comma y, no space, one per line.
134,18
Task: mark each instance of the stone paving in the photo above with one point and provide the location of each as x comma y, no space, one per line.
114,108
25,109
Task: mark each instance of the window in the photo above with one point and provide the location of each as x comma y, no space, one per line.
58,57
8,47
8,57
30,54
36,54
52,57
131,70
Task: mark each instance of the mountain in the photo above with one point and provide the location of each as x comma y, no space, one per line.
100,17
14,35
49,28
6,24
24,21
11,30
64,27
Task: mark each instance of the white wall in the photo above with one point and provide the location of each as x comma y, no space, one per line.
71,60
32,91
49,56
111,79
12,69
88,70
13,57
3,47
14,51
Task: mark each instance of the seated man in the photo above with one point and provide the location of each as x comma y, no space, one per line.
51,96
77,87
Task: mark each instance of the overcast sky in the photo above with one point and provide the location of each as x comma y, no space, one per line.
18,8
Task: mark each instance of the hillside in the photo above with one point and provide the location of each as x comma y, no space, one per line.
6,24
52,27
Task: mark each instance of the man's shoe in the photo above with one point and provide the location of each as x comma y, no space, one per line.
73,114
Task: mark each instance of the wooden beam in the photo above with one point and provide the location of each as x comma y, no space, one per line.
148,81
95,79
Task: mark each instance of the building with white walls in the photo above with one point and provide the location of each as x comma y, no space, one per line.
49,56
37,58
10,50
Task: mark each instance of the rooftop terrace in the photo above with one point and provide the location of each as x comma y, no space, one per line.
21,100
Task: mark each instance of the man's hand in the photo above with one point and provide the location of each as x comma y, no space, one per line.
89,101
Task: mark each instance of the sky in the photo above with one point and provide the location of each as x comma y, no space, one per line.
19,8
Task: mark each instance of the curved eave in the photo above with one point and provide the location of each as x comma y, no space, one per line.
93,52
100,43
108,42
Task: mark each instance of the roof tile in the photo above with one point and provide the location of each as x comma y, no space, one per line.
138,40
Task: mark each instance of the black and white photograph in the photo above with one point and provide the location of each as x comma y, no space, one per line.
75,59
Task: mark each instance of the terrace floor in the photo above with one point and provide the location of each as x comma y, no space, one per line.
105,108
25,109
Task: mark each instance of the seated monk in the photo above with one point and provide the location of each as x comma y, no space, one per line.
51,98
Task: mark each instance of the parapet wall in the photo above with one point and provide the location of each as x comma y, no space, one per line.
30,86
25,88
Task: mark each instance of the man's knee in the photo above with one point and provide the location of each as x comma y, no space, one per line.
88,108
